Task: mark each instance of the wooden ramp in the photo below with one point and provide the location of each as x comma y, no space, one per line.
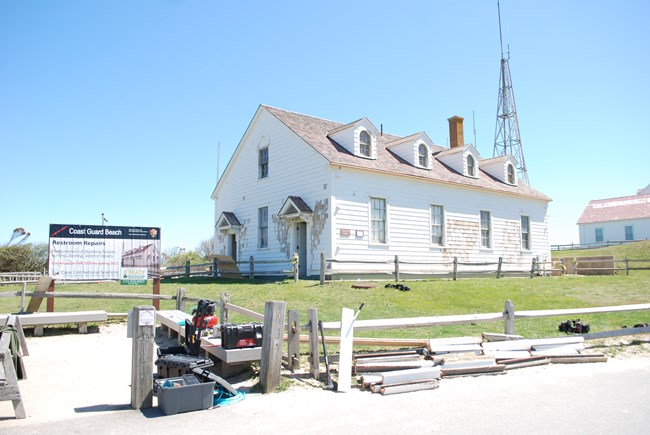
227,267
43,285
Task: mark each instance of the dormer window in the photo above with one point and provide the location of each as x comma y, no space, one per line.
511,174
471,166
364,143
423,155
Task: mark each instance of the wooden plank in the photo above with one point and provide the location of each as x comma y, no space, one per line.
272,332
575,359
572,348
526,344
455,348
293,339
345,354
227,266
252,314
386,366
454,341
490,336
43,284
412,375
509,354
142,357
473,371
407,388
388,358
530,363
469,364
363,325
59,318
572,311
314,349
617,333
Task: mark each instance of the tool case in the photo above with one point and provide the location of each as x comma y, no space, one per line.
246,335
177,365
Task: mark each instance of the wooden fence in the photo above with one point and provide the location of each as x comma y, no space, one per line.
593,245
20,276
603,265
508,316
452,269
286,267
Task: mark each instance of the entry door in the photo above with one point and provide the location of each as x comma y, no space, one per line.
301,247
232,246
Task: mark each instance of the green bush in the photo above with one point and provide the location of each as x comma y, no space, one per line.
24,258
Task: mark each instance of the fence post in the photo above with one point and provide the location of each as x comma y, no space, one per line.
22,297
293,341
50,301
396,268
214,267
143,327
509,312
223,311
272,331
499,267
180,298
156,291
295,266
455,267
322,268
627,267
314,352
251,267
532,268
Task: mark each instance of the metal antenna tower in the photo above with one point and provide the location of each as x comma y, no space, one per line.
506,136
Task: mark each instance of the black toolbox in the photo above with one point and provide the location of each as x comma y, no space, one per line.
242,336
170,366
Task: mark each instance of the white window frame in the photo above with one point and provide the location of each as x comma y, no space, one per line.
362,144
485,229
472,172
423,155
376,234
263,163
263,227
510,174
435,225
525,233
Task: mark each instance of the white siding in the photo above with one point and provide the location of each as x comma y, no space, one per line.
615,230
409,224
294,169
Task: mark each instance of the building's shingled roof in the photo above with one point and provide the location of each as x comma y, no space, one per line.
314,131
616,209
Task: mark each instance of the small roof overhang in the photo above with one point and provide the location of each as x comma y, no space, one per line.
228,221
295,208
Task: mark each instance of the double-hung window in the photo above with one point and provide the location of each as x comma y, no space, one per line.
629,234
263,162
378,220
263,227
486,229
437,225
525,233
365,143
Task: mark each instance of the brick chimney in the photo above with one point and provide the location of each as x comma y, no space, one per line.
456,135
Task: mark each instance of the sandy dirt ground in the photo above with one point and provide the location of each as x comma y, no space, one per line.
71,377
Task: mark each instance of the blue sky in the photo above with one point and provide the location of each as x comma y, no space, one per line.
119,106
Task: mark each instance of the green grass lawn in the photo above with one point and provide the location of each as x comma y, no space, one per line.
426,298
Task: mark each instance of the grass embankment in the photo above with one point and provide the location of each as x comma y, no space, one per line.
425,298
633,251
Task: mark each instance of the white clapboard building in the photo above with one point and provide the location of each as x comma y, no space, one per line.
310,186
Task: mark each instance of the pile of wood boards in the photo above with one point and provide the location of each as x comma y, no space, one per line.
420,369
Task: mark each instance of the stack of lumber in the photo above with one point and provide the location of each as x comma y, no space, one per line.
492,354
402,381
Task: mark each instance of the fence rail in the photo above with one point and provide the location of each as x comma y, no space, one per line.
593,245
20,276
454,269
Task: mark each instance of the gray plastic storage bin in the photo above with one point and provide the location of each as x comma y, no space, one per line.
183,397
